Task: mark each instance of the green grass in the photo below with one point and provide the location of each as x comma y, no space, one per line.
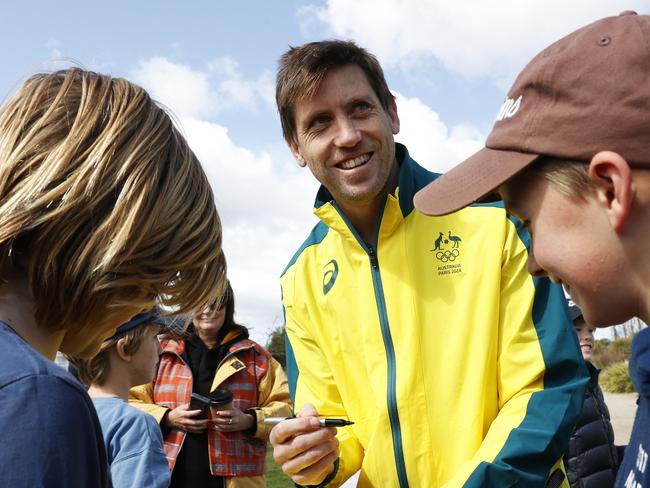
275,478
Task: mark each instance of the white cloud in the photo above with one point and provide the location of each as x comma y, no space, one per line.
430,142
203,93
473,38
185,91
238,91
54,47
265,205
264,198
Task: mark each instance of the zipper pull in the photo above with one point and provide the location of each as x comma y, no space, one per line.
374,262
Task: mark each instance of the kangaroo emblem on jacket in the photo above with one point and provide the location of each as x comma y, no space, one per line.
447,251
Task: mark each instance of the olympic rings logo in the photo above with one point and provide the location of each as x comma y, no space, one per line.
447,256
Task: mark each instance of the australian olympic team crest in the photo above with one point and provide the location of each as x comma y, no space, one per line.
447,251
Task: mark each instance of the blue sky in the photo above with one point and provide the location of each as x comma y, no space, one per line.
213,64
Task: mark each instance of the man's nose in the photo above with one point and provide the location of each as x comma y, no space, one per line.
348,134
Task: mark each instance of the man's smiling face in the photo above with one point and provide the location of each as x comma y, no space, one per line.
345,137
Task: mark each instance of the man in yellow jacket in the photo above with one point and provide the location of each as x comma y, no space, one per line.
456,367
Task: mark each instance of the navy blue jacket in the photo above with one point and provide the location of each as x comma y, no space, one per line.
635,469
50,432
591,459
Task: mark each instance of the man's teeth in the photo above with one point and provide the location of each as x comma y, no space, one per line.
353,163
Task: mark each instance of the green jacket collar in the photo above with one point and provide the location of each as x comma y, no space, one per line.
412,177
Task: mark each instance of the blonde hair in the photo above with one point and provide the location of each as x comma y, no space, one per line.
103,205
96,369
571,177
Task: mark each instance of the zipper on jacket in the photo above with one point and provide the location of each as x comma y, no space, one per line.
391,387
374,262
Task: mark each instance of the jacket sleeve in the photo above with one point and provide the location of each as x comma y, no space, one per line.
273,397
541,380
311,381
141,397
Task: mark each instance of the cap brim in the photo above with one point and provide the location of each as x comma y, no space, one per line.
472,179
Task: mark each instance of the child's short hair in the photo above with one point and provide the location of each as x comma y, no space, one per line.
94,370
571,177
103,205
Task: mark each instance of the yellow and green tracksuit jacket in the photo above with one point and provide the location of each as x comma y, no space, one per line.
455,365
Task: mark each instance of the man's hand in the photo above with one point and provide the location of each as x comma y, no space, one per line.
182,418
303,449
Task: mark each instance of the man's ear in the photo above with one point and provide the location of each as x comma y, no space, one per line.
295,150
120,351
394,118
611,175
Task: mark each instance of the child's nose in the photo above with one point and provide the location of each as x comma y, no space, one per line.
534,268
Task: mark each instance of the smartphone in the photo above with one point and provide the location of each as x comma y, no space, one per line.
200,402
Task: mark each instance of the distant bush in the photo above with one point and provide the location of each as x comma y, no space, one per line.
616,379
608,352
275,345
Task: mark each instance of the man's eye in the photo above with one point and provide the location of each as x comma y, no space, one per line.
361,107
318,122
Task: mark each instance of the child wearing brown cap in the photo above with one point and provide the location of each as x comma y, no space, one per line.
569,154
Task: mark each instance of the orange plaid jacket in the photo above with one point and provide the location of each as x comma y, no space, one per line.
258,384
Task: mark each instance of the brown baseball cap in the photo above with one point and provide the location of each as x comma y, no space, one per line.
587,92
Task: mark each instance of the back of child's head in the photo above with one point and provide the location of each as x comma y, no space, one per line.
103,206
95,370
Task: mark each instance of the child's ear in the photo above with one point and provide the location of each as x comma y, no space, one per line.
612,177
120,351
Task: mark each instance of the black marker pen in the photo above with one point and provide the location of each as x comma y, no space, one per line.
323,422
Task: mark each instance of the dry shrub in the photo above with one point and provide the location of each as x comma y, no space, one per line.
607,353
616,379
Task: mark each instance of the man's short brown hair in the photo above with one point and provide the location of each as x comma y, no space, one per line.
303,68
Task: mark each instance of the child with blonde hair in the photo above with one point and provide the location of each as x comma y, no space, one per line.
104,211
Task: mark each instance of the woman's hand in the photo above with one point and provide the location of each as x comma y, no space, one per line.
182,418
232,420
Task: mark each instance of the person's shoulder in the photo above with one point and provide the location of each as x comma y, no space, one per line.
140,429
640,354
123,421
57,393
23,365
259,349
641,342
53,433
315,237
138,419
640,362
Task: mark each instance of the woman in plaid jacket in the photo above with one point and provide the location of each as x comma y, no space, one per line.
229,449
